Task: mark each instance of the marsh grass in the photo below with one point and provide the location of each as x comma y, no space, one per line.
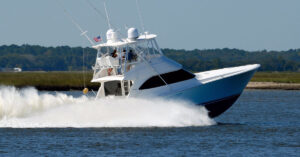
278,77
48,80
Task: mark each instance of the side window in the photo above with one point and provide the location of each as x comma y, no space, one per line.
171,77
153,82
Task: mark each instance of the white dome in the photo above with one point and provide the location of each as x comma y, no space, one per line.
112,36
109,34
133,33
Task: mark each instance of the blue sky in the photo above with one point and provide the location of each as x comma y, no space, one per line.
188,24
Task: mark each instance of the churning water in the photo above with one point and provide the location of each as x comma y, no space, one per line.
260,123
29,109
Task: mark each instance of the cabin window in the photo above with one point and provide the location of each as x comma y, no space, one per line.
113,88
153,82
171,77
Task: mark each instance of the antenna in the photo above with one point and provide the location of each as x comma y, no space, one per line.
107,18
83,33
140,15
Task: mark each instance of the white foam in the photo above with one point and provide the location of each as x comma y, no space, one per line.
29,109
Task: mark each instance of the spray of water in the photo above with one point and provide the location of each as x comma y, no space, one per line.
28,108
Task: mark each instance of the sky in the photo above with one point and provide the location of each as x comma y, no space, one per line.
179,24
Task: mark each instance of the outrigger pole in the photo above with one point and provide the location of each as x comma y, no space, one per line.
140,15
107,17
94,8
83,33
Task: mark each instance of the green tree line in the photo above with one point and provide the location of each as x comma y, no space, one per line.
65,58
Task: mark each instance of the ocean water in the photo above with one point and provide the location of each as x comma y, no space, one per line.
33,123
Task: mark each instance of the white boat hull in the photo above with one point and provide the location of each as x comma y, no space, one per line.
218,95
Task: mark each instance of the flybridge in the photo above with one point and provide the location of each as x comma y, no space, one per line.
118,56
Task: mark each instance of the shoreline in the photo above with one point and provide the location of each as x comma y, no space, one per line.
273,85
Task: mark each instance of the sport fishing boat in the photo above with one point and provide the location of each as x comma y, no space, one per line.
136,67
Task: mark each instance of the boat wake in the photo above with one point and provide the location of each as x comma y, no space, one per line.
28,108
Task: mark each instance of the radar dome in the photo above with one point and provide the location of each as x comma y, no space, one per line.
133,33
109,34
112,36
